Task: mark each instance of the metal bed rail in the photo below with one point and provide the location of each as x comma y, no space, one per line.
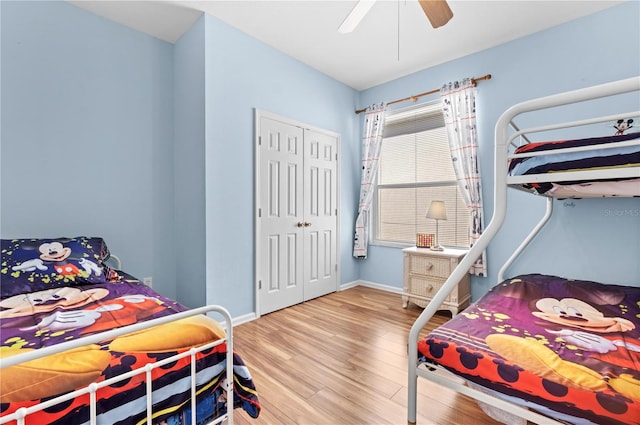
20,414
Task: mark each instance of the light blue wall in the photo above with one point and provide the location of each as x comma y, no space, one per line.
189,162
585,239
110,132
0,112
87,134
243,74
150,145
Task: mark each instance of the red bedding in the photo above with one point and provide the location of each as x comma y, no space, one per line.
570,346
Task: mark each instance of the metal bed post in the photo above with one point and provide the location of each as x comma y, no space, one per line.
499,213
229,360
528,239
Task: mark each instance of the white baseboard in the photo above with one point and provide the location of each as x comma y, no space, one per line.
387,288
393,289
349,285
244,319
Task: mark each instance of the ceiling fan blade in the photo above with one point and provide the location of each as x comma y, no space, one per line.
437,11
355,16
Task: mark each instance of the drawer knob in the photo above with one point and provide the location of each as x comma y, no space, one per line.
429,266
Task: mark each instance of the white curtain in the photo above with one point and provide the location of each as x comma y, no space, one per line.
459,109
371,144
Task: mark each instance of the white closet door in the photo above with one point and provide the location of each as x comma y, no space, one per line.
279,245
320,214
297,213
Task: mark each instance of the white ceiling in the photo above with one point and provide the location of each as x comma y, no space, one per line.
395,39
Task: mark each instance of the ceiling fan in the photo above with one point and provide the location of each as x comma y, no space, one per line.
437,11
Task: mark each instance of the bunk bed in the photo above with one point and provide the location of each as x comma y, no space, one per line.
83,342
538,348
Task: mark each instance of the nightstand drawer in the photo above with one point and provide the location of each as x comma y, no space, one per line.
424,286
431,266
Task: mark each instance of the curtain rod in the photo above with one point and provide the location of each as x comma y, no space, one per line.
415,97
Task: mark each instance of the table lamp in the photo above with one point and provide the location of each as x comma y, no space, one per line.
437,212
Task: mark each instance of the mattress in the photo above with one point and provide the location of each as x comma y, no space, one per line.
570,347
608,152
46,317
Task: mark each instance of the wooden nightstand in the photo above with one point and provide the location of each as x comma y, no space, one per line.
425,272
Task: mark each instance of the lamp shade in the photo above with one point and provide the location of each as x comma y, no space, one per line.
437,210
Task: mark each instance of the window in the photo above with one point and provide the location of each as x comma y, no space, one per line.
415,168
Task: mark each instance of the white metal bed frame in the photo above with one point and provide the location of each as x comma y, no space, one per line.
503,141
20,415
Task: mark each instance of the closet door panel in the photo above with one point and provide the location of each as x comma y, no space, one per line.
321,214
281,204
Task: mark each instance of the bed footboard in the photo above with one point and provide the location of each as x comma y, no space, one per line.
195,380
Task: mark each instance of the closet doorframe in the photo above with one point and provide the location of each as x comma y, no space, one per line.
298,230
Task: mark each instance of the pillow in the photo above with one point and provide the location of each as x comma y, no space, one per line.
30,265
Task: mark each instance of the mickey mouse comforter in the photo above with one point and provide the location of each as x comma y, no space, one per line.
79,297
570,348
602,154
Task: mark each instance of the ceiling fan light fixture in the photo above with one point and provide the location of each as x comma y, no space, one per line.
356,15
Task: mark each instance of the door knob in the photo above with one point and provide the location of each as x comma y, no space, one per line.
307,224
300,224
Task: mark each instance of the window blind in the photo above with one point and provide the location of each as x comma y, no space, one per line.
414,119
415,169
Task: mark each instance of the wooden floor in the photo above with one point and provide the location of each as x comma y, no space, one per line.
342,359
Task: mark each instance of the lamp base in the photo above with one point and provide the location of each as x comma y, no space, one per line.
437,248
